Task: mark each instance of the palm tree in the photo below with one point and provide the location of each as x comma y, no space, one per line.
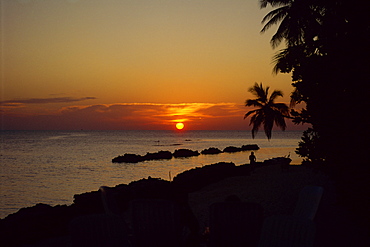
268,111
299,21
299,25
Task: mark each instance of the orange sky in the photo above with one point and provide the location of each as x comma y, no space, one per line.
132,64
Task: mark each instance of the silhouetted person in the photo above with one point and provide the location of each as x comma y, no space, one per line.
252,158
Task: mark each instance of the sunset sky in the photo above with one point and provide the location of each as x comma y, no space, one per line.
132,64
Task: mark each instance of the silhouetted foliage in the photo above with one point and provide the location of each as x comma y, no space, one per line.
268,112
327,51
307,148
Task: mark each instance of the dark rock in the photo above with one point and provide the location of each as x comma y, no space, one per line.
135,158
232,149
185,153
211,151
88,203
152,188
250,147
161,155
196,178
128,158
246,169
144,188
278,161
30,225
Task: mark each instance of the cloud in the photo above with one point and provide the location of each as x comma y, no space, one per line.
128,116
16,102
132,116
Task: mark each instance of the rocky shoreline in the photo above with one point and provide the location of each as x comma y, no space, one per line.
34,224
266,183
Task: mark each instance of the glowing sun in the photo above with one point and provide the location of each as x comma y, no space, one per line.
180,126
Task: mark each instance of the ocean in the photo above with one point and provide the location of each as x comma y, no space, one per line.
51,166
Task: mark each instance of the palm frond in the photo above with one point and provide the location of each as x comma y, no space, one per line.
285,59
280,107
253,102
260,92
280,122
281,32
295,33
273,17
272,14
274,95
281,54
263,3
295,97
249,113
266,93
256,120
281,62
273,3
267,127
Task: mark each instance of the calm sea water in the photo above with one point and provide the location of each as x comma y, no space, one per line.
51,166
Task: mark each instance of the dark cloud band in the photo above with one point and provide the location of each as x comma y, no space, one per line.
45,100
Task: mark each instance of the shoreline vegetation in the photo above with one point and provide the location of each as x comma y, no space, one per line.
267,183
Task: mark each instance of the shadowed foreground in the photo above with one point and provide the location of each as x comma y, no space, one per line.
276,190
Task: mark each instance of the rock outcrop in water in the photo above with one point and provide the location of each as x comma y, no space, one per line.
179,153
183,153
128,158
211,151
232,149
135,158
161,155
